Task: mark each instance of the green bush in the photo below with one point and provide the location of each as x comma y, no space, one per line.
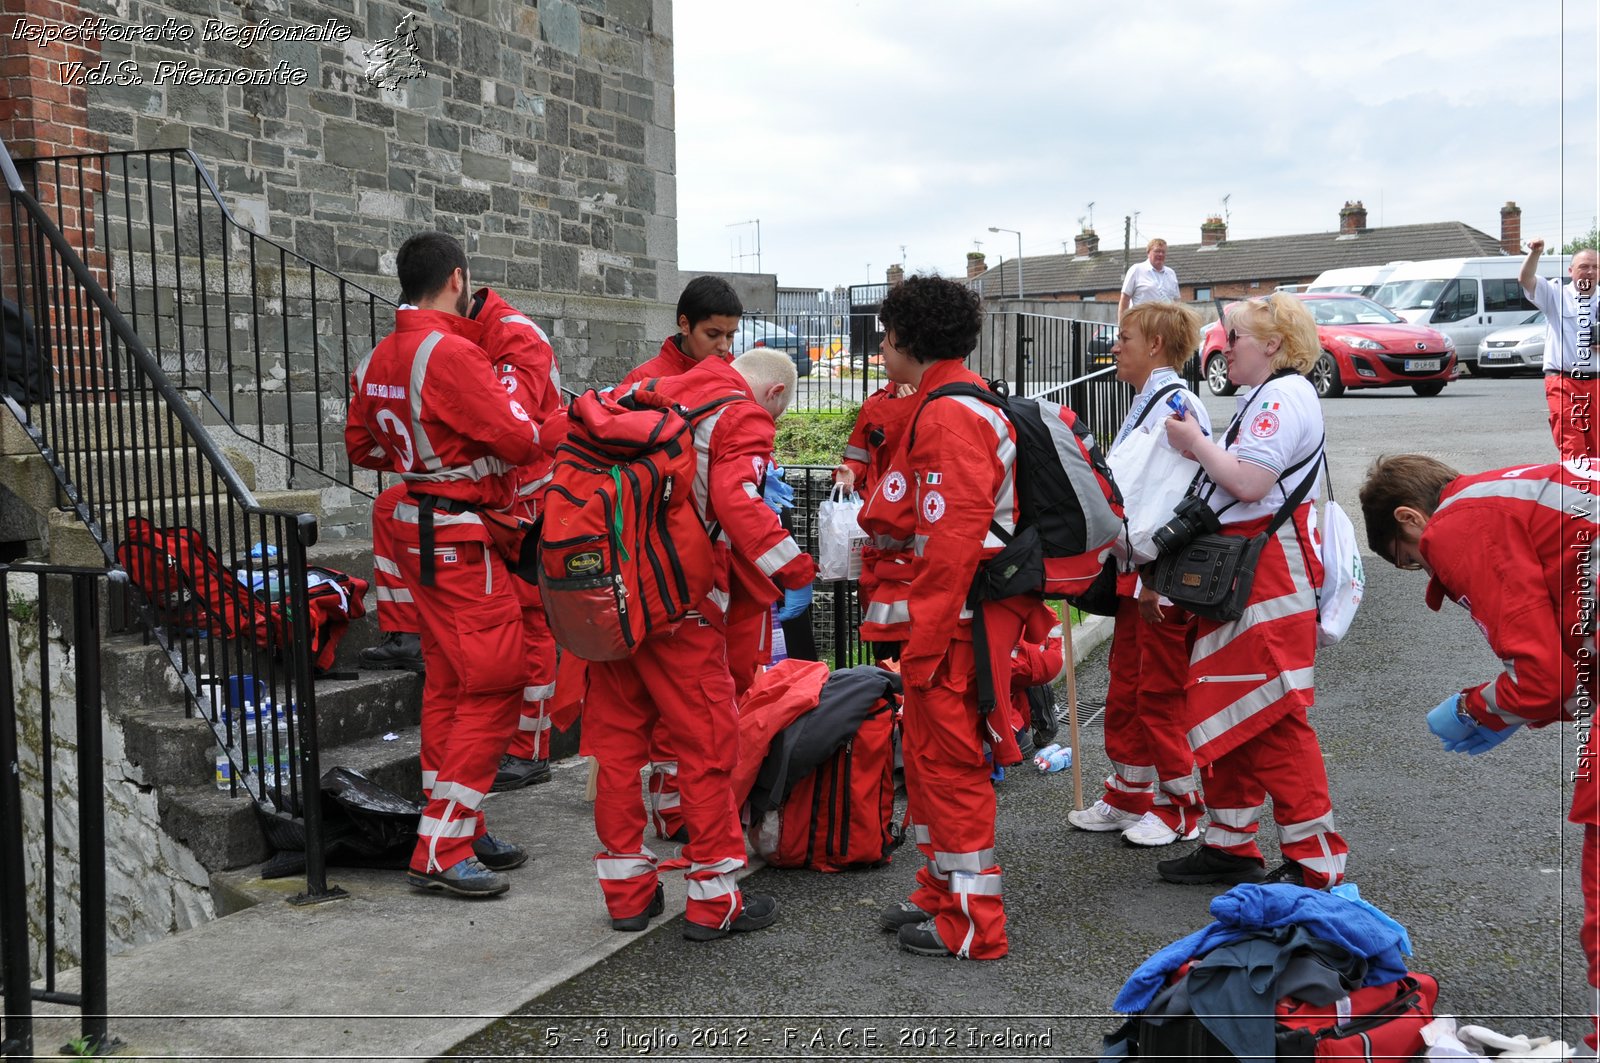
815,437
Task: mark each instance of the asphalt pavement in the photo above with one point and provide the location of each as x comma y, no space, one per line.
1472,855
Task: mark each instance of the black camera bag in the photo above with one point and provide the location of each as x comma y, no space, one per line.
1211,575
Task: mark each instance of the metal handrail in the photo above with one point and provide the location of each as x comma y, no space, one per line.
106,382
132,187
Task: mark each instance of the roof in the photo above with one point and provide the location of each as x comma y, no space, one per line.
1271,258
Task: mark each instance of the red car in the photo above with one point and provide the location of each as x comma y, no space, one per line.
1364,345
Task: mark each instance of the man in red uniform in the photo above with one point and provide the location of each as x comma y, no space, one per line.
950,482
525,362
708,317
1516,548
681,676
427,405
885,561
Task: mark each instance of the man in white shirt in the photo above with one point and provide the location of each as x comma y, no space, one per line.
1148,281
1571,366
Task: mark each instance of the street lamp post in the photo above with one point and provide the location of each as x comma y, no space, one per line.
998,229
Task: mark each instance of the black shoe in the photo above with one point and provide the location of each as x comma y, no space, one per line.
634,923
923,939
399,650
497,855
760,912
901,913
1210,864
1288,873
681,835
517,772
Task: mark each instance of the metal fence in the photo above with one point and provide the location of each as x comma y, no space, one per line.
52,850
123,445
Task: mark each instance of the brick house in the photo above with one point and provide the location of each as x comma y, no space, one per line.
1217,266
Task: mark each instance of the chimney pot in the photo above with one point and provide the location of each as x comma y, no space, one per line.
1352,218
1213,231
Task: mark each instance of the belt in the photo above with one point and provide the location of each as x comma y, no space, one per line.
426,504
1587,374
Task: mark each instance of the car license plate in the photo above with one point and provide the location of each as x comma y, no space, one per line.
1422,365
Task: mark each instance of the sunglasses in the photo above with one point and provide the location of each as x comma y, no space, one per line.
1233,336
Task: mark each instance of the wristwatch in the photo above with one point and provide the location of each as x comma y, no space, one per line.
1461,711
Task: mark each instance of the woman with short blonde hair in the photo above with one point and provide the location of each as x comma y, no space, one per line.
1284,318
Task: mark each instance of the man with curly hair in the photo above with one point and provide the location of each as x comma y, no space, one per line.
952,481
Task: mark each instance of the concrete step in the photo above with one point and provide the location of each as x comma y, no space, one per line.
97,424
227,528
175,474
224,832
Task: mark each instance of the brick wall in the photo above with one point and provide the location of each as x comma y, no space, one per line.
541,136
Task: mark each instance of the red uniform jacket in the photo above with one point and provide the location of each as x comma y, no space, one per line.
885,561
427,405
526,365
959,477
1516,548
671,361
733,446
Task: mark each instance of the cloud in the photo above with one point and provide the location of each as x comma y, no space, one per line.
851,128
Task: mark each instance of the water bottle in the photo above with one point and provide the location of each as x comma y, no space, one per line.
1041,759
1058,760
223,769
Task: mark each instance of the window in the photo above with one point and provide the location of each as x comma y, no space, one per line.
1504,294
1202,295
1458,301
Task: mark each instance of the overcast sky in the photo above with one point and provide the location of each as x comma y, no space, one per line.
851,127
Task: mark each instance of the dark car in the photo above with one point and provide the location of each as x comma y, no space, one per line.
754,332
1364,345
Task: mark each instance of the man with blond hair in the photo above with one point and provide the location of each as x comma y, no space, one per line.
1148,281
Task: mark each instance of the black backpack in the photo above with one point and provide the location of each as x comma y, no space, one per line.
27,376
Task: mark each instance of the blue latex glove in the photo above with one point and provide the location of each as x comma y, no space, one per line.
1445,721
795,602
778,494
1482,739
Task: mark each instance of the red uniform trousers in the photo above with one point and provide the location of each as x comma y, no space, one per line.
951,800
396,610
531,739
1152,766
681,679
1574,416
1250,683
472,641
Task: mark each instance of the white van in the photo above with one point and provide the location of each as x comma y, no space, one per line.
1354,280
1464,298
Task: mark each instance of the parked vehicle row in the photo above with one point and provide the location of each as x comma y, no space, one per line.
1364,345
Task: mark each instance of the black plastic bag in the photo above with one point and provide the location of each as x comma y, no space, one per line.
365,825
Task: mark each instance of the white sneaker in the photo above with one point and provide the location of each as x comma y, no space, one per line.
1101,817
1152,831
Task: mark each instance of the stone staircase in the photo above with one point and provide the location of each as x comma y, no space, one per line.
171,751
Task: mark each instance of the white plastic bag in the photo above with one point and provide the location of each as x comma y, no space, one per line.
1153,478
839,535
1343,578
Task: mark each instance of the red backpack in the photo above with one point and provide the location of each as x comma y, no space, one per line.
623,553
840,813
191,590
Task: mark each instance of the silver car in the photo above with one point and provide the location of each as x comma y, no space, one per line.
1516,349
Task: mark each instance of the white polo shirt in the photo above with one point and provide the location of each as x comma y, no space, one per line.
1144,284
1568,327
1281,424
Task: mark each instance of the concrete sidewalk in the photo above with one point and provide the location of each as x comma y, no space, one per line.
391,972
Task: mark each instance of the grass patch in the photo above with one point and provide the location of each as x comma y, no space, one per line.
815,437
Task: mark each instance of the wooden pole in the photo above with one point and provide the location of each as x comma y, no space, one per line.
1072,711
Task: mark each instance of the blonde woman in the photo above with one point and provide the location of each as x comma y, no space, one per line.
1151,796
1250,680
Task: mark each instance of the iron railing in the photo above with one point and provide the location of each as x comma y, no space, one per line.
122,442
32,928
267,336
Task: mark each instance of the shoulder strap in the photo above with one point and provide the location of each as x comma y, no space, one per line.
956,390
1155,400
1293,500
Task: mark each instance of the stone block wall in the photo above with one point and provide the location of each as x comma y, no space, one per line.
540,134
